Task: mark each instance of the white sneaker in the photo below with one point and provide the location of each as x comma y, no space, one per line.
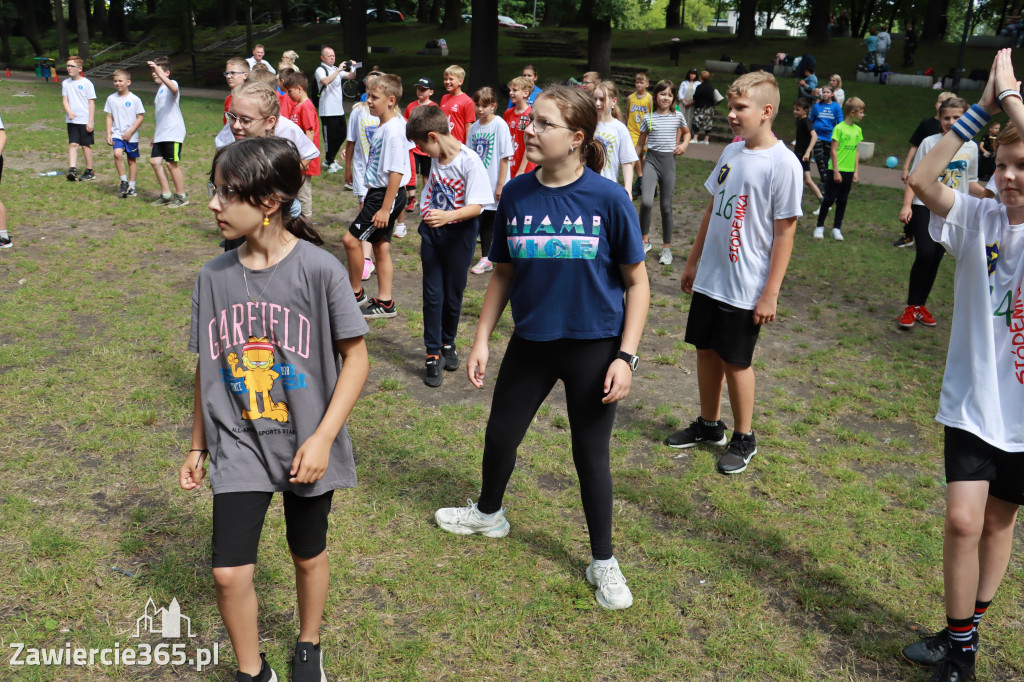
334,167
401,230
819,233
647,247
468,521
612,591
666,256
816,211
837,234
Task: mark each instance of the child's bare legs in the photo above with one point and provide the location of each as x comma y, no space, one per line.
741,396
385,269
810,184
177,177
72,155
88,156
312,577
119,161
367,250
996,543
712,373
161,175
354,259
133,170
236,600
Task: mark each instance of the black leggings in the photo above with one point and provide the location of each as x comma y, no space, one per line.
835,193
928,258
822,154
528,373
486,219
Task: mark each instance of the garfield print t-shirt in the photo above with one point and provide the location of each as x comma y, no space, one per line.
268,367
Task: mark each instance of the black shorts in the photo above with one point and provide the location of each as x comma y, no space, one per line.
362,227
1,167
422,165
77,134
238,520
168,151
806,165
723,328
969,458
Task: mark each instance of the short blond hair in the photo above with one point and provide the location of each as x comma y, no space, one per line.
261,74
854,104
457,71
263,94
237,63
122,73
759,86
521,83
389,84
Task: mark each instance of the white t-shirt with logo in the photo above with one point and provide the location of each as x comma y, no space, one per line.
458,184
78,92
332,102
983,386
618,147
389,152
361,127
492,143
170,125
751,189
123,112
959,173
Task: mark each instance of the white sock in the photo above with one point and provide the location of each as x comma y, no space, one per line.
124,178
3,233
131,184
605,563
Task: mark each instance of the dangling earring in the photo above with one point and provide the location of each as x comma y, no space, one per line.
266,220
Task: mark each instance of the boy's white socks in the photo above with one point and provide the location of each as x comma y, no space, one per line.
124,178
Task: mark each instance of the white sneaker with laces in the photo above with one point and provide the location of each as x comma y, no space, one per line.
819,233
666,256
401,230
837,234
612,591
469,521
816,211
647,247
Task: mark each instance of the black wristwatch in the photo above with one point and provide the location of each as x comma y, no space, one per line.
632,360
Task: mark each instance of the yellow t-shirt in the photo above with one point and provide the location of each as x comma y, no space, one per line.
639,108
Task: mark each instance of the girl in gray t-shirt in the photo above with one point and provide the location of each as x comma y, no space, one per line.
281,362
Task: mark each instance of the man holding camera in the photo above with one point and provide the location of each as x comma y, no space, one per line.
327,80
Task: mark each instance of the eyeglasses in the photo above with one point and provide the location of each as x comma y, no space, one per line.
540,125
243,121
226,193
234,73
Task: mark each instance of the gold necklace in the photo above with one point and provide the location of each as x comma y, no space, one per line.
246,279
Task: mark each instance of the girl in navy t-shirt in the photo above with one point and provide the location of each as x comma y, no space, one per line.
568,256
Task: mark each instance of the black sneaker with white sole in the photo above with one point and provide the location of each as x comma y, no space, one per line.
931,649
87,175
266,673
130,193
72,175
379,310
308,663
451,357
123,189
433,377
362,300
951,669
741,448
700,431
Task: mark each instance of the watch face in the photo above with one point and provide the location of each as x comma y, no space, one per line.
634,362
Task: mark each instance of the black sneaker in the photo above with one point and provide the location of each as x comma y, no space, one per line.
696,433
308,663
362,300
72,175
123,189
130,193
952,670
903,241
6,243
87,175
267,673
451,357
931,649
741,449
376,310
433,376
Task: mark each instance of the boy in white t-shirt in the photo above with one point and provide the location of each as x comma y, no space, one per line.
450,203
124,118
743,247
491,139
983,386
168,136
361,126
78,96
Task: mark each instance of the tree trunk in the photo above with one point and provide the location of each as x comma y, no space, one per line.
599,47
422,11
1002,17
230,8
115,21
5,38
672,14
100,22
747,21
151,7
355,32
862,22
483,44
935,21
248,26
551,14
817,30
62,36
82,22
29,26
453,14
682,14
286,19
435,12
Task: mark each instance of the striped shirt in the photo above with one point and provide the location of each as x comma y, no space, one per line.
661,130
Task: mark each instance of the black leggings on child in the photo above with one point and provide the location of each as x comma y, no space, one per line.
528,373
486,219
835,193
928,258
822,153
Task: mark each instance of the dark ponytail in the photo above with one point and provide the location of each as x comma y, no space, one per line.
593,155
580,114
262,167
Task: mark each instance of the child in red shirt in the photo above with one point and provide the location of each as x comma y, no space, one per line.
303,114
457,105
518,118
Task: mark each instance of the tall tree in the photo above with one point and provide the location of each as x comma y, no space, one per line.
817,28
453,14
423,10
599,45
82,22
99,23
747,21
115,21
286,19
435,12
355,31
935,21
551,14
672,14
62,36
483,45
29,26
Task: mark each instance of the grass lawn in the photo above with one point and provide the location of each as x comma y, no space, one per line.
819,563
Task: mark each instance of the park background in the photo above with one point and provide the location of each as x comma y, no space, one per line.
818,563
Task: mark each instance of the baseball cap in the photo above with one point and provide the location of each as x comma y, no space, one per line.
425,83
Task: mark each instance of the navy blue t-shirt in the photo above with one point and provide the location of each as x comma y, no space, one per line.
566,245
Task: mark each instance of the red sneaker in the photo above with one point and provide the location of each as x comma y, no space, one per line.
925,317
908,318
